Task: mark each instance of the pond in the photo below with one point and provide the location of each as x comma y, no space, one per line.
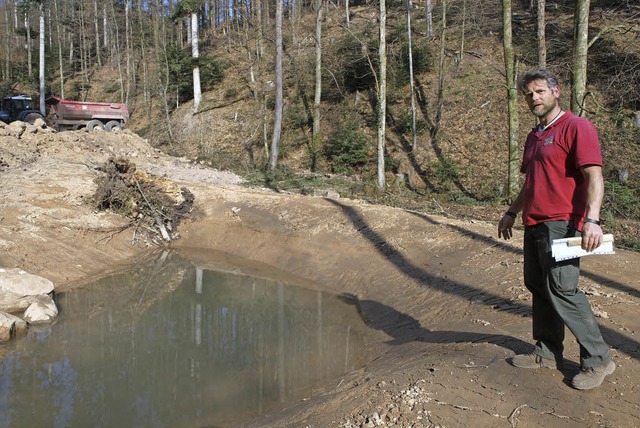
167,343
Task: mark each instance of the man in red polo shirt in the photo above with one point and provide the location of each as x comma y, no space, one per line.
561,197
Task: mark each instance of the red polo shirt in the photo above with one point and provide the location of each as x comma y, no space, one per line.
554,187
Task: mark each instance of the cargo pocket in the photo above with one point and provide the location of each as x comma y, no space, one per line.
564,277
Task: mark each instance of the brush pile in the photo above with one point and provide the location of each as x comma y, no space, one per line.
154,204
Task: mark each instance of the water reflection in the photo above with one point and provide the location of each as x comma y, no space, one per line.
168,344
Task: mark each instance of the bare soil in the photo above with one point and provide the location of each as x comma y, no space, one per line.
443,297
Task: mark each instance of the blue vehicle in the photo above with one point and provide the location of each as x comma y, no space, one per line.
19,107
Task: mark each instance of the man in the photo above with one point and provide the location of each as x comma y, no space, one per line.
561,197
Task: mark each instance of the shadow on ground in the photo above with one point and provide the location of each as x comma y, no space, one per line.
407,329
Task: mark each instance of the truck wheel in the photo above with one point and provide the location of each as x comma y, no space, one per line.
95,124
32,117
113,125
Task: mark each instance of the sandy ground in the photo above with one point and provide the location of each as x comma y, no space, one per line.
443,297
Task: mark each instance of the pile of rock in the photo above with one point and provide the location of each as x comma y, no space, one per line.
24,299
18,128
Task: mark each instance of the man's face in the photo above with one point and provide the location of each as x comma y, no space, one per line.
541,99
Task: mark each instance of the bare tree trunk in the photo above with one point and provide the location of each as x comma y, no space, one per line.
59,38
229,24
414,139
143,52
15,22
315,139
118,53
245,10
97,31
189,32
443,38
542,41
84,50
464,16
49,19
197,92
579,62
510,70
104,26
429,17
346,12
162,69
28,41
237,11
382,94
9,30
4,71
41,68
277,123
70,36
127,38
263,93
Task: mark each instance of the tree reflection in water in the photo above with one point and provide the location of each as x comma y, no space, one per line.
167,344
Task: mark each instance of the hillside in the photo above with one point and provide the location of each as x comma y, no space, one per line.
463,171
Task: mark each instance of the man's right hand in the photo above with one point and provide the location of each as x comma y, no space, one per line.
505,227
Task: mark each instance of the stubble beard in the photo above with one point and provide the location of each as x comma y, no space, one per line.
542,110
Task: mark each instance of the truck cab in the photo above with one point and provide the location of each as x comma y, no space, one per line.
19,107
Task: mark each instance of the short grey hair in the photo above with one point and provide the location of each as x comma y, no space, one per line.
537,74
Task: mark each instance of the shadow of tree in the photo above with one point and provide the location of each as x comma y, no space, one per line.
421,99
408,329
420,172
504,247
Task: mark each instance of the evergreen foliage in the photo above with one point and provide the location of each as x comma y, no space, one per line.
181,65
348,147
356,61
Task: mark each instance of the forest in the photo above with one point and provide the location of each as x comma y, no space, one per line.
408,104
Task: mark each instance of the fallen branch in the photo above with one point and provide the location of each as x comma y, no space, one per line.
113,231
151,207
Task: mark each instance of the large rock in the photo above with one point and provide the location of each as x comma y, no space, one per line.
24,292
16,129
22,283
39,123
11,326
15,303
43,310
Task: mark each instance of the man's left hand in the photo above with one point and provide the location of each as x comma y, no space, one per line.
591,236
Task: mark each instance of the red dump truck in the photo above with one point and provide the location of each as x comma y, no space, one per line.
65,114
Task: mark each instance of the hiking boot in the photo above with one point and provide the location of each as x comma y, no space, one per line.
591,377
535,361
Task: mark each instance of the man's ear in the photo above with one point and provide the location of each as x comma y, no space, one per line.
556,91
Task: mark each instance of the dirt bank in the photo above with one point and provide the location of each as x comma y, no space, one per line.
444,299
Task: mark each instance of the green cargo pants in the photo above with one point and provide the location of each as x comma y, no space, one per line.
557,301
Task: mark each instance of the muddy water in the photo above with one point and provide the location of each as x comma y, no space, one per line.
168,344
